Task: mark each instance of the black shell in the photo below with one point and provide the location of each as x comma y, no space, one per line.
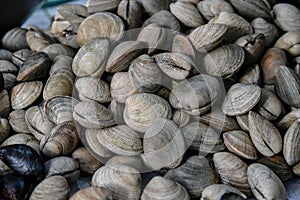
1,82
13,187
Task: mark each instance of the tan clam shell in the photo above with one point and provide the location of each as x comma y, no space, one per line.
183,45
164,19
100,25
155,6
207,37
99,193
37,39
264,135
92,114
4,129
17,121
91,58
224,61
123,181
91,88
251,75
219,191
291,151
239,142
187,14
131,12
288,120
232,171
5,104
142,109
240,99
181,118
161,188
290,42
195,175
94,6
55,187
286,22
24,94
131,161
264,183
73,13
212,8
61,62
117,110
198,102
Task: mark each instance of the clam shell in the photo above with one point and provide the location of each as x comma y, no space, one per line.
54,50
264,183
183,45
290,42
55,187
131,12
224,61
117,110
142,109
61,62
232,171
288,120
264,135
296,169
123,181
17,121
5,55
239,143
91,192
4,129
38,40
251,75
212,8
91,114
195,175
74,13
291,151
9,80
131,161
155,6
94,6
164,19
243,121
24,94
221,191
100,25
163,145
62,140
5,104
7,67
181,118
161,188
240,99
91,58
286,22
15,39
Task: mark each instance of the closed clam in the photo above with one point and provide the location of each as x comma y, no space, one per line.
91,58
37,39
5,55
181,118
291,151
290,42
17,121
24,94
4,129
222,191
61,62
142,109
183,45
131,161
15,39
288,120
251,75
195,175
92,193
162,188
164,19
73,13
240,99
264,183
124,182
92,114
20,56
155,6
131,12
9,80
62,140
94,6
202,91
264,135
232,171
212,8
224,61
117,110
102,24
163,145
5,103
57,49
286,22
243,121
7,67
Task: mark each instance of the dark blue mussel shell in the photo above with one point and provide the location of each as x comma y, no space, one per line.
13,187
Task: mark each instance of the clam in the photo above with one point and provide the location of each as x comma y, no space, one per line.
239,142
212,8
264,183
7,67
183,45
13,186
131,161
243,121
62,140
74,13
67,36
124,182
131,12
290,42
5,103
240,99
202,91
155,6
224,61
288,120
181,118
91,58
9,80
142,109
94,6
15,39
92,114
4,129
291,152
286,22
195,175
37,39
17,121
91,192
264,135
61,62
221,191
117,110
54,50
164,19
251,75
24,94
100,25
296,169
5,55
161,188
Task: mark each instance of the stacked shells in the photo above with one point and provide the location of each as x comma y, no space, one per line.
204,94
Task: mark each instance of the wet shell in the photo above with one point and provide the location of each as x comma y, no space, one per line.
163,145
142,109
287,85
117,110
208,36
195,174
288,120
290,42
94,6
4,129
164,19
100,25
161,188
202,91
221,191
291,151
264,135
62,140
123,181
155,6
15,39
91,114
187,14
251,75
92,193
5,104
232,171
240,99
264,183
286,16
224,61
212,8
131,12
131,161
181,118
74,13
183,45
239,142
91,58
24,94
17,121
55,187
91,88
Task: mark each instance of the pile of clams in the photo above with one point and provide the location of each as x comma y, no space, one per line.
152,100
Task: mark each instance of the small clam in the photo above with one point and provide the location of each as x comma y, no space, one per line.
131,12
251,75
155,6
183,45
221,191
286,16
4,129
240,99
15,39
160,188
56,49
264,183
212,8
92,193
5,103
131,161
290,42
288,120
74,13
94,6
291,152
181,118
124,182
17,121
164,19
